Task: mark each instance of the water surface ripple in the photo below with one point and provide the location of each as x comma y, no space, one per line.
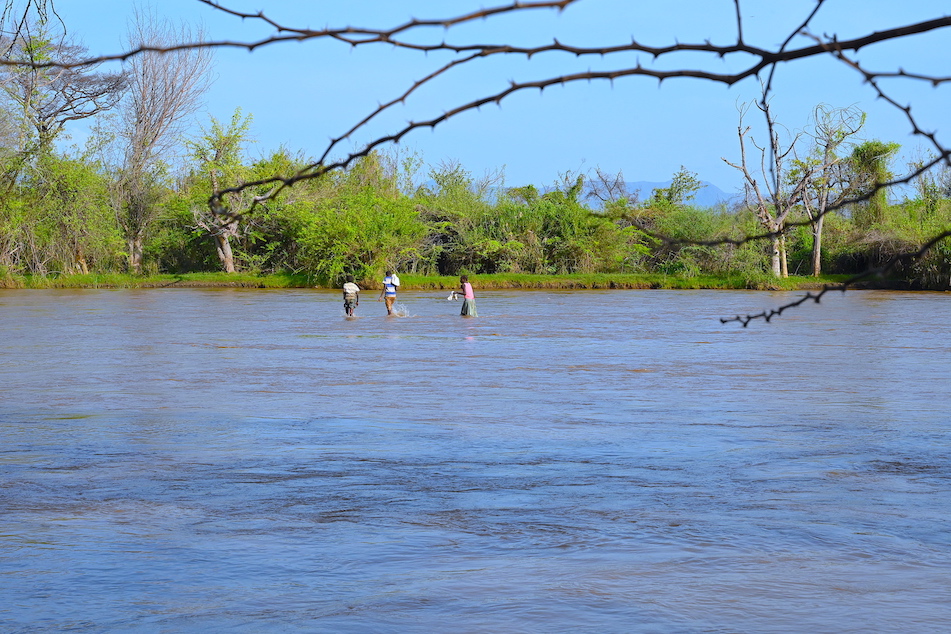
601,461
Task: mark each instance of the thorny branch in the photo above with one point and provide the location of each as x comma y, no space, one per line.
762,60
19,18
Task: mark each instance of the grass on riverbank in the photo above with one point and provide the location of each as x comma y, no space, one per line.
616,280
418,282
122,280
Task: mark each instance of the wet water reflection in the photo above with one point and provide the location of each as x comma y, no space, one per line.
605,461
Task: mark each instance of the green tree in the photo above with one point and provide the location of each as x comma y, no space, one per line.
59,220
933,186
358,222
84,232
871,170
682,189
218,153
452,210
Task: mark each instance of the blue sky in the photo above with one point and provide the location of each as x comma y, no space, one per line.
302,94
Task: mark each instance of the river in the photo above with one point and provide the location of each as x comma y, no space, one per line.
592,461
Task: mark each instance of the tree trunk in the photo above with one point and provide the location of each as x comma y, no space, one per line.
777,269
817,247
783,262
223,245
81,265
135,254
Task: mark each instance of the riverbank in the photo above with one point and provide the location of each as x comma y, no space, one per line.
419,282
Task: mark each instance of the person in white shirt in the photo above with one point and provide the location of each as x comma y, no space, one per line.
351,296
390,284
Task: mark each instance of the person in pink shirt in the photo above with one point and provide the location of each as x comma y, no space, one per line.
468,302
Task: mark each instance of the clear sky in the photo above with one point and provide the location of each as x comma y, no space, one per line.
302,94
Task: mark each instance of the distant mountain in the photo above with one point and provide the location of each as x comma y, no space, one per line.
708,196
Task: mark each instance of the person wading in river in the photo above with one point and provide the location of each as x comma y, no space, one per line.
351,296
390,284
468,298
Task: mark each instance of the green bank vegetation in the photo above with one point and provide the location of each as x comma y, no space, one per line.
59,229
495,281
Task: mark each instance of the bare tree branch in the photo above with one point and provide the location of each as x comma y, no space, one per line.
15,22
164,90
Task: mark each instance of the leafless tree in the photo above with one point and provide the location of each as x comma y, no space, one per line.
828,174
771,200
16,20
41,100
165,88
51,97
610,188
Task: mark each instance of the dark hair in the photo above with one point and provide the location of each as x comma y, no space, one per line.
463,278
389,272
349,278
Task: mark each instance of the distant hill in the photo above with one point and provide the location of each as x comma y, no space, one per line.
708,196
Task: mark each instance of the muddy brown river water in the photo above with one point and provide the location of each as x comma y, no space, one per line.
599,461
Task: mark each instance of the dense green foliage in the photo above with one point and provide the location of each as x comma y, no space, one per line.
65,214
59,219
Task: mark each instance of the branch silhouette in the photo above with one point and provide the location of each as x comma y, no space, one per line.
765,59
